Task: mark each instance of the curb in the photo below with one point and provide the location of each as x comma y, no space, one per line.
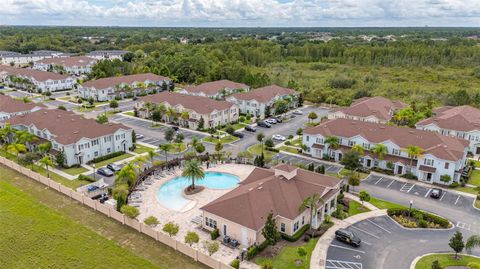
415,261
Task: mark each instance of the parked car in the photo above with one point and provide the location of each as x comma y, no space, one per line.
105,172
279,137
436,193
135,98
114,167
92,188
278,119
348,237
264,124
139,136
271,121
250,128
297,112
238,134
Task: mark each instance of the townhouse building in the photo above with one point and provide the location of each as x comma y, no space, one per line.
198,109
106,89
107,54
241,213
15,58
257,101
31,79
372,109
461,121
216,89
76,65
10,107
442,155
79,139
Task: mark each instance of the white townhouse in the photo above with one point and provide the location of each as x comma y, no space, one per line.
76,65
79,139
216,89
442,155
107,54
461,121
255,102
10,107
9,57
372,109
106,89
213,113
35,79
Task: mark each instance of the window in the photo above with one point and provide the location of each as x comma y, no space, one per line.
307,138
395,151
303,220
351,143
295,226
332,203
366,146
447,165
210,222
282,227
319,140
428,162
96,154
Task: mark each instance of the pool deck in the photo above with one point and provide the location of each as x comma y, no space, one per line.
151,207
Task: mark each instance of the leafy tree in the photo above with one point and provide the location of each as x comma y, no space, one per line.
407,117
299,131
312,116
456,243
113,104
364,196
230,130
130,211
169,135
260,138
60,158
445,178
269,230
458,98
281,106
91,101
179,138
201,123
28,159
358,149
332,142
191,238
194,171
269,143
354,179
200,148
268,111
151,221
380,151
211,247
44,148
313,202
218,147
102,118
351,160
472,242
120,194
171,228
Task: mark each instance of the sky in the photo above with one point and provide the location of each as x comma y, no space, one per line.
242,13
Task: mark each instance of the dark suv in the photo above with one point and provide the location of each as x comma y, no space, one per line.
264,124
250,128
348,237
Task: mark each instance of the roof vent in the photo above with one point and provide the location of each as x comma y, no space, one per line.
411,131
382,127
75,132
261,187
251,189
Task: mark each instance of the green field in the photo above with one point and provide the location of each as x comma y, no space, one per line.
355,208
445,260
382,204
289,149
224,140
42,228
139,149
287,256
74,170
112,160
475,178
257,150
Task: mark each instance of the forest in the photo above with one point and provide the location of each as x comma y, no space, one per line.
425,67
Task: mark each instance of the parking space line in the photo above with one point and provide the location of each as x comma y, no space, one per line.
403,186
443,195
393,180
410,188
380,179
458,198
329,168
356,250
372,235
336,264
429,190
378,226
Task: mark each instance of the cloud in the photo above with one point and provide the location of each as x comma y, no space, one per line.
242,12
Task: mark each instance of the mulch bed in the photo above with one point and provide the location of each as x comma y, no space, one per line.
189,191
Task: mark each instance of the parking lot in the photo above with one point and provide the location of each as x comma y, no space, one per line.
286,158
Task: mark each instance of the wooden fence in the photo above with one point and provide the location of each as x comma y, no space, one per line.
112,213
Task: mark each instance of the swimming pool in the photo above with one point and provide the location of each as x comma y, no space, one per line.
170,194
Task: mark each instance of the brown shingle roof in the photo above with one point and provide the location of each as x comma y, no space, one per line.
38,75
377,106
66,126
215,87
264,94
69,61
104,83
447,148
263,192
199,104
460,118
10,105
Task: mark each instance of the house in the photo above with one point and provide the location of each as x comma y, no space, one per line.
213,113
106,89
10,107
77,65
107,54
32,79
442,155
242,212
216,89
258,101
461,121
81,140
372,109
15,58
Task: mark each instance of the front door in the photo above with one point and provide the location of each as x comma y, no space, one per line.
369,163
80,159
477,151
400,170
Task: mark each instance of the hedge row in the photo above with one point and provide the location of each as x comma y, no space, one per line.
297,235
106,157
444,223
254,250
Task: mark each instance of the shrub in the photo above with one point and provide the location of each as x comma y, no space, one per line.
170,228
306,238
453,185
106,157
241,119
130,211
473,265
255,249
436,265
297,234
191,238
422,223
409,176
211,247
235,263
288,143
214,234
86,178
151,221
341,82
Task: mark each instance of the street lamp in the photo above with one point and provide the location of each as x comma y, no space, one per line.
410,211
93,165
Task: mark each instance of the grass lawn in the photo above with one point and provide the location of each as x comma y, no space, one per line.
355,208
289,149
139,149
297,142
112,160
257,150
177,147
345,172
129,113
42,228
288,255
470,190
74,170
382,204
477,204
235,126
444,260
224,140
475,178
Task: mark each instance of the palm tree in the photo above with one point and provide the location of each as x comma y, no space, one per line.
165,148
151,155
332,142
260,138
194,171
162,110
313,202
472,242
120,193
44,148
413,152
16,149
22,136
47,162
358,148
185,116
6,132
193,144
171,114
380,151
127,174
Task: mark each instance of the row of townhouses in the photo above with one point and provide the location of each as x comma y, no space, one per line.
76,65
10,107
15,58
38,80
216,89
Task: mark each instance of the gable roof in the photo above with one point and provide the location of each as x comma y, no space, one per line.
38,75
68,61
199,104
377,106
460,118
443,147
215,87
264,94
66,126
104,83
10,105
263,192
